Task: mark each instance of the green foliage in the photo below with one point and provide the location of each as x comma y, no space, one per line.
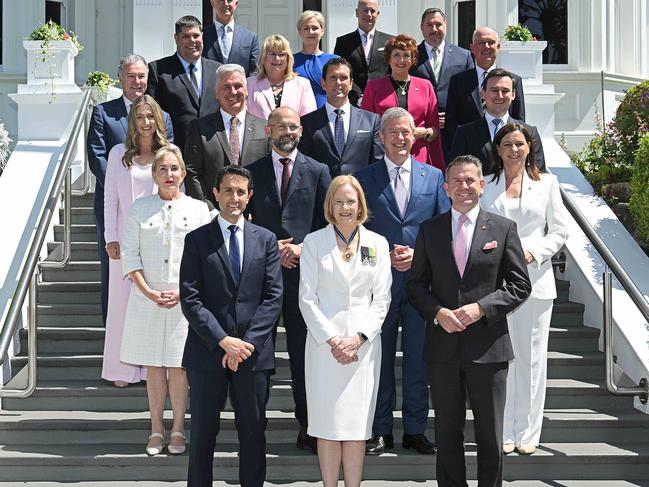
517,33
639,202
4,147
632,121
51,31
101,80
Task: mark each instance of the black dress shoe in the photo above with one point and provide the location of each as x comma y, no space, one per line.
307,442
419,443
378,444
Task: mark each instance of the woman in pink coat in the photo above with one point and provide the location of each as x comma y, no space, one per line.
128,177
399,89
276,84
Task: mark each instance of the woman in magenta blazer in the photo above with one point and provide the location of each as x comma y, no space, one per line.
399,89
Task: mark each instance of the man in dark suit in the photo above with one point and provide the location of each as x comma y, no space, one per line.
211,141
468,272
108,127
364,49
231,294
463,104
474,138
401,193
227,42
183,83
289,201
347,140
438,61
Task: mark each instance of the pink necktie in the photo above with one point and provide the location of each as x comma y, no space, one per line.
460,244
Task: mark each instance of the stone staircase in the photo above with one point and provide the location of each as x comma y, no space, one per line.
78,428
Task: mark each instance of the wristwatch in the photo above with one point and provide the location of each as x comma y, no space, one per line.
362,335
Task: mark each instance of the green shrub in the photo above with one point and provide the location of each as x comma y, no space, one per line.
632,121
639,202
517,33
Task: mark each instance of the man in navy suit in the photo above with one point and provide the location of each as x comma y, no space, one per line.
438,61
468,272
364,49
463,104
108,126
183,83
230,43
401,193
289,201
231,294
343,137
475,137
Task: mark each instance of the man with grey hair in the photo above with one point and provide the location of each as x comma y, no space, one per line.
107,129
401,193
229,136
464,103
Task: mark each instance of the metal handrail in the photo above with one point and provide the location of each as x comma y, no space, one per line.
612,264
87,176
27,280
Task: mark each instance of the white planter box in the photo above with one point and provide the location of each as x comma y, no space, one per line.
525,58
53,64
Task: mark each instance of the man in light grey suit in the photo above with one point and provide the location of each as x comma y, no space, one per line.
438,61
357,144
229,136
227,42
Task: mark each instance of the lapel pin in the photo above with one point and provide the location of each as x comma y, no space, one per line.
483,227
422,173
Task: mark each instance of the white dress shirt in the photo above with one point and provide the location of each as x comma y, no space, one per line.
128,104
224,224
481,74
370,41
406,173
469,225
503,121
279,168
198,70
331,116
440,54
241,116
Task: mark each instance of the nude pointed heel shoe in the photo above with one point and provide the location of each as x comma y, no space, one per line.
178,449
153,450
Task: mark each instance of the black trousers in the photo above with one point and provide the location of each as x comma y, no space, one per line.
486,386
248,392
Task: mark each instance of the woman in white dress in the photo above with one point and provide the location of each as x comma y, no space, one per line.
345,283
155,328
519,191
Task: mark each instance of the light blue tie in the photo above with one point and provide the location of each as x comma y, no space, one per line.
225,43
496,122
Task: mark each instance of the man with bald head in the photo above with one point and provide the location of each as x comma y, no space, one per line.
464,103
364,49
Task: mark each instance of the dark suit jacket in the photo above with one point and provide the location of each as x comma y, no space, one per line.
350,47
495,278
455,60
215,307
464,104
108,127
207,150
169,84
244,50
474,138
362,147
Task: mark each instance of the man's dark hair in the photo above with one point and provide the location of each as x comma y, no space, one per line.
187,22
463,160
498,73
431,11
335,62
234,170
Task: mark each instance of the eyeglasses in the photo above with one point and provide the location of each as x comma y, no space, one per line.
280,55
283,126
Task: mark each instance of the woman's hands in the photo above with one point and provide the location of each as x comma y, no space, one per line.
164,299
112,249
344,348
427,133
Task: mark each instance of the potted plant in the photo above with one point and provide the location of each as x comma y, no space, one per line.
100,82
522,54
50,55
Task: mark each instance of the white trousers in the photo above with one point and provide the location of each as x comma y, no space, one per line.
529,329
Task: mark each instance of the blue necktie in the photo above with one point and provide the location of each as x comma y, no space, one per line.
235,255
496,122
339,132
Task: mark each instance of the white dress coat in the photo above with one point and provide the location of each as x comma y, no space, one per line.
153,242
341,299
540,207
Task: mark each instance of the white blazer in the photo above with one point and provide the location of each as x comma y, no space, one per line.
542,225
338,303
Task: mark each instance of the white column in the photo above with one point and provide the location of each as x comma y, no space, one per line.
18,20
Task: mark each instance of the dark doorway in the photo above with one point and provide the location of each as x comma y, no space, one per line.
548,21
465,23
53,12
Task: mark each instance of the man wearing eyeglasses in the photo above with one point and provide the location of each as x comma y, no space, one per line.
230,136
288,200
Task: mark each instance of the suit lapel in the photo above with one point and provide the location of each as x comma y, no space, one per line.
184,78
221,248
423,55
208,78
249,244
249,128
267,171
267,93
486,135
123,114
222,135
417,176
475,92
383,181
480,237
326,129
296,175
361,52
354,123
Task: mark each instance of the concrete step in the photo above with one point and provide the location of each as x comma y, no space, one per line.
366,483
75,271
64,293
85,201
567,314
117,462
84,214
81,251
563,290
79,233
69,315
99,395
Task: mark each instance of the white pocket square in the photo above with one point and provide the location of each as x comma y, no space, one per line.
362,131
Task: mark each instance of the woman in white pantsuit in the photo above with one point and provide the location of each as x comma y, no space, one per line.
519,191
345,284
155,329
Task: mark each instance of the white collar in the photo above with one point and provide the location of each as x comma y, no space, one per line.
346,108
472,214
370,34
405,167
224,224
227,117
230,24
430,48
